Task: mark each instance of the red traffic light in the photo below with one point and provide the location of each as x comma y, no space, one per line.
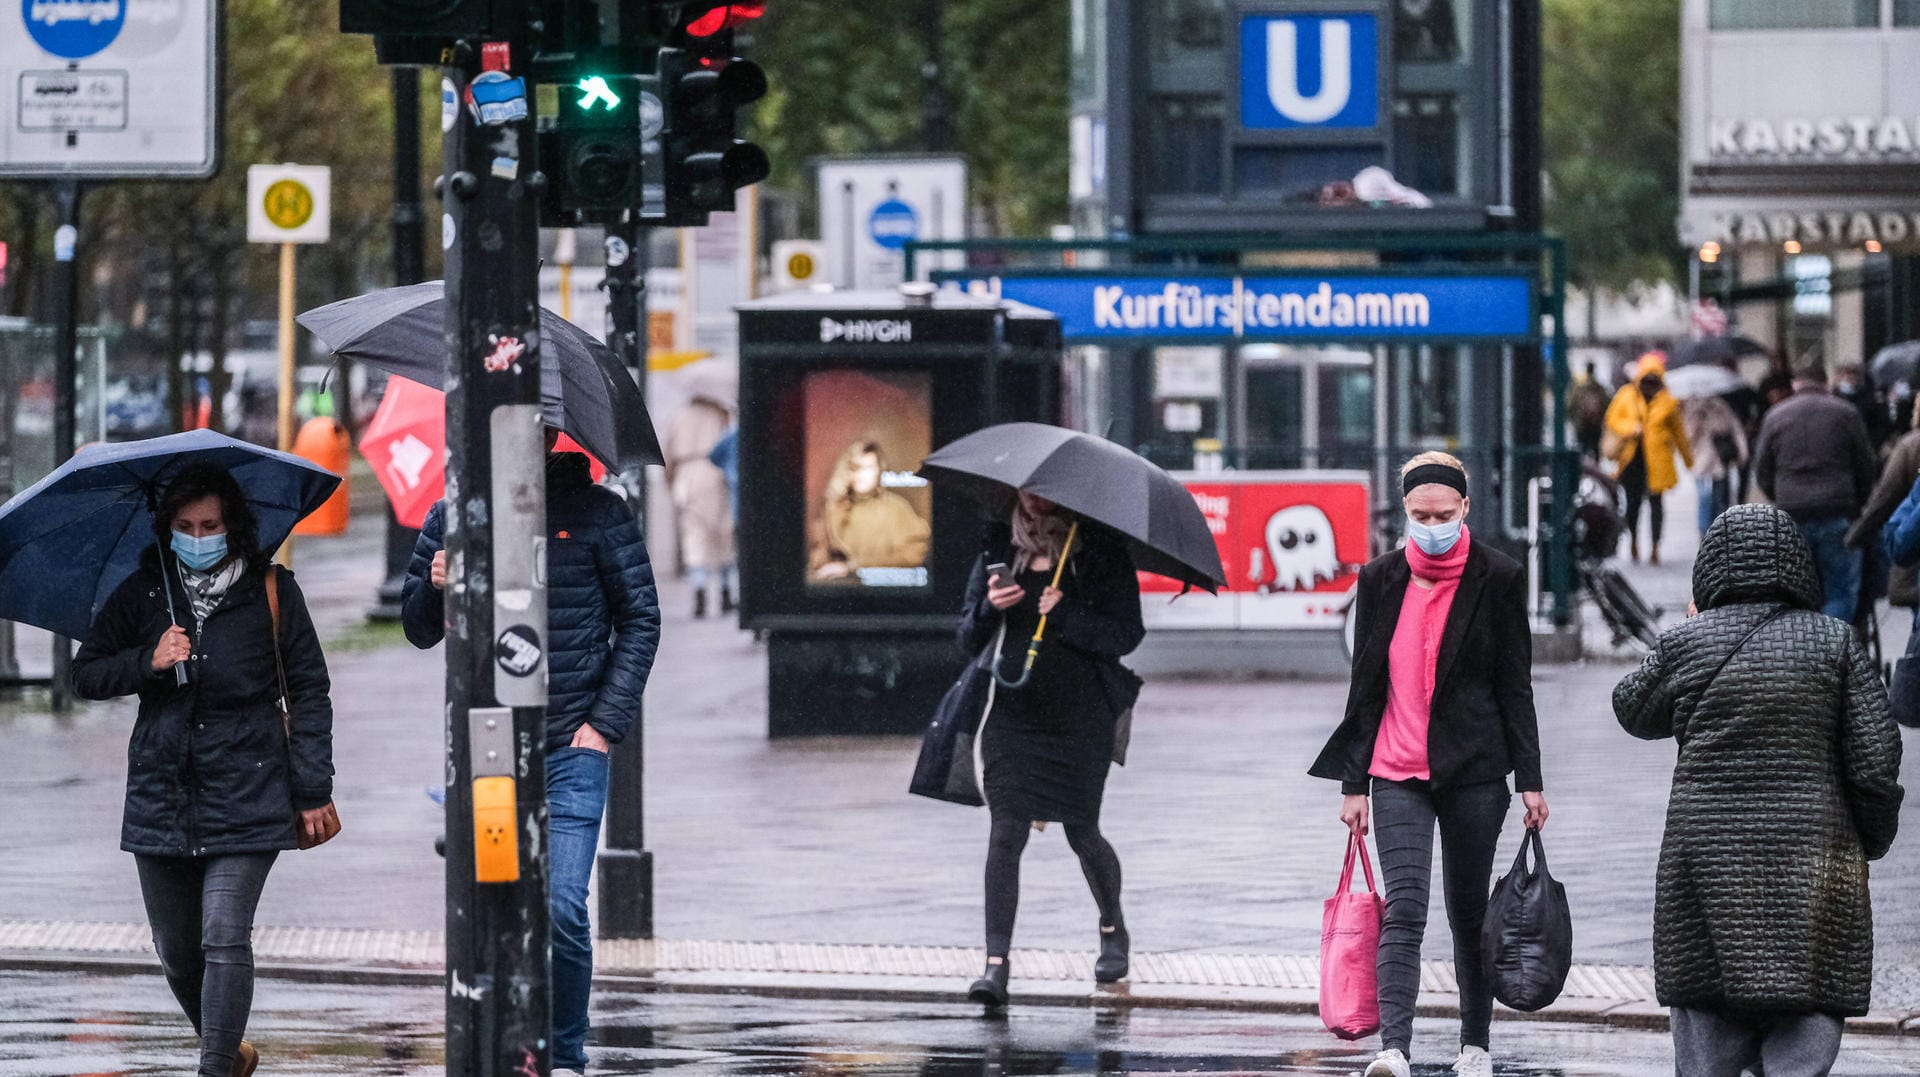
726,17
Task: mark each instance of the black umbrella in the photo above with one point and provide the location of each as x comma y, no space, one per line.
1718,349
583,388
1896,363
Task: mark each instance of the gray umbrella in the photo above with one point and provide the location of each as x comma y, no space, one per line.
1095,479
583,388
1896,363
1717,349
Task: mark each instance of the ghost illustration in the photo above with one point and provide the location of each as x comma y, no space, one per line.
1300,543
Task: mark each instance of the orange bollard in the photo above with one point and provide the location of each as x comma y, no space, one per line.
324,442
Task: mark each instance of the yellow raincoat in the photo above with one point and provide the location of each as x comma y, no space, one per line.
1632,418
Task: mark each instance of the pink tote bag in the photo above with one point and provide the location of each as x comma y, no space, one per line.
1349,946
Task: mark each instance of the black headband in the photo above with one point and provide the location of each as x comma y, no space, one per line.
1433,473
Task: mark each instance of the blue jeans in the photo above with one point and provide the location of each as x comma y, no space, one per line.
1714,494
1838,565
576,799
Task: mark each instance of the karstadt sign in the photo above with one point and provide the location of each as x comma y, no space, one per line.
1824,138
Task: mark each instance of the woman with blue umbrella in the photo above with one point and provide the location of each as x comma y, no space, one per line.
211,640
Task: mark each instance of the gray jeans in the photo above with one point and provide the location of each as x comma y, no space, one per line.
1709,1044
201,910
1469,817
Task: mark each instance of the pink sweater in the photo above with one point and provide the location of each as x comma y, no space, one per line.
1400,751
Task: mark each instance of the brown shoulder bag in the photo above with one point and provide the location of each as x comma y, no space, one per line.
330,818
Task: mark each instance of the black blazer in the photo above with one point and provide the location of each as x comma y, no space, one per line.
1483,725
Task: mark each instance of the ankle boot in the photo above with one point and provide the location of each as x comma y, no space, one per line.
245,1060
990,990
1113,963
700,603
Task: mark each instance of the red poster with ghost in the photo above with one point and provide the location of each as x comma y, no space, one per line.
1291,542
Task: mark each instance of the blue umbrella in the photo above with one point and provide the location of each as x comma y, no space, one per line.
70,539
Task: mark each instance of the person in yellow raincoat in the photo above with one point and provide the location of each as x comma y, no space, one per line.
1644,431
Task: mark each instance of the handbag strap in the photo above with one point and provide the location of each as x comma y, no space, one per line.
1764,622
1359,844
279,664
1531,841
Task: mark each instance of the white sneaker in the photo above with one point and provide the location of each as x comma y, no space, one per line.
1474,1062
569,1073
1389,1063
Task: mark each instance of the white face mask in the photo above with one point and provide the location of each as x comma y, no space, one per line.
1433,539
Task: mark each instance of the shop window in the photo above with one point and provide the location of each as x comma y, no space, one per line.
1186,144
1793,14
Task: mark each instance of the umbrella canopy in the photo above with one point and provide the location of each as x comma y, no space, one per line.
1719,349
68,540
1693,382
1098,481
583,388
1895,363
406,442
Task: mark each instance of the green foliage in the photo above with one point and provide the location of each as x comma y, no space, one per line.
846,79
1611,74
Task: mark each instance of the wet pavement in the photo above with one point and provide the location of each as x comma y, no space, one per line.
66,1025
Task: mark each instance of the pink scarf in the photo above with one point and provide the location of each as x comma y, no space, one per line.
1445,571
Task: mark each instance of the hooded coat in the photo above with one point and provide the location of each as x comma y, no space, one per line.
1786,783
1655,427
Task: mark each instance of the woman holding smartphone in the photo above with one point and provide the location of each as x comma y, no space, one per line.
1043,750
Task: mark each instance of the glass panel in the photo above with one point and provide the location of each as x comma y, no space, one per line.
1275,412
1298,174
868,513
1431,31
1434,392
1346,417
1186,151
1906,12
1191,24
1426,143
1792,14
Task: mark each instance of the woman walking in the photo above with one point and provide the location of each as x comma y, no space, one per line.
1043,750
1646,427
1719,443
1786,785
217,784
1439,713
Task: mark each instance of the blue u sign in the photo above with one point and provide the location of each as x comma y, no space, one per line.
1317,71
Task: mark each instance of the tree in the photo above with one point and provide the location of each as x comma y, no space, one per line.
1611,74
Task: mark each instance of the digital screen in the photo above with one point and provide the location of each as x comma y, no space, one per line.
869,517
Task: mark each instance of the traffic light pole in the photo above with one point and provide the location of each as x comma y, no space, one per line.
626,866
498,995
66,378
409,267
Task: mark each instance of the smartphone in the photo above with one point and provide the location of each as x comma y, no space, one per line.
997,572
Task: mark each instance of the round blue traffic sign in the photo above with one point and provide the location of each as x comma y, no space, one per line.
893,224
73,29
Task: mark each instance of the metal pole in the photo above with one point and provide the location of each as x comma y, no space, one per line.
626,866
66,290
935,125
287,264
409,267
499,1019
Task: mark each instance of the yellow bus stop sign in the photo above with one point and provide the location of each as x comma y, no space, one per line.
288,203
800,266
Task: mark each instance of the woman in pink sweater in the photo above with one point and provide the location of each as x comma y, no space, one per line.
1440,711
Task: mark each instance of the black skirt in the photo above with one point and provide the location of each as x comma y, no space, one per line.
1045,748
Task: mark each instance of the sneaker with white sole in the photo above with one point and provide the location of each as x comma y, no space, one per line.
1474,1062
1389,1063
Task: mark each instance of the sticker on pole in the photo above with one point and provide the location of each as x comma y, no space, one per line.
497,98
893,224
517,650
288,203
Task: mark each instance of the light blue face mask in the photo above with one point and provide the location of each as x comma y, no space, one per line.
200,554
1434,539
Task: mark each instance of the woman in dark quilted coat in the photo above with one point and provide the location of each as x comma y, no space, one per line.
1785,787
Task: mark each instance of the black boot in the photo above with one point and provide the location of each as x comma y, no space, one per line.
990,990
1114,944
700,603
726,600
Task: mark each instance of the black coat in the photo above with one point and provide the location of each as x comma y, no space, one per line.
1099,610
1786,782
603,615
1483,725
209,769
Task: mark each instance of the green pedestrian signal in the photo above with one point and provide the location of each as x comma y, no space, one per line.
594,89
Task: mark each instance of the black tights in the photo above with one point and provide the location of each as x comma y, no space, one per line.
1008,840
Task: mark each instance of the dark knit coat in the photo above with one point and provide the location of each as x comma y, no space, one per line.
1785,787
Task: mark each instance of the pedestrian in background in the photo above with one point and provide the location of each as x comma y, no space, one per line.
703,506
1889,493
1646,428
1439,712
1815,463
217,783
1785,786
1750,405
1719,442
603,628
1043,750
1587,411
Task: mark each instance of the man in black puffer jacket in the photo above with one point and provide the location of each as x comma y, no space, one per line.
603,626
1787,784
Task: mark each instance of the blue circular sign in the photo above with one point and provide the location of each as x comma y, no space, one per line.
893,224
74,29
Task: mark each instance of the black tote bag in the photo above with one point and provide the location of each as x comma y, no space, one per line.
1527,943
945,768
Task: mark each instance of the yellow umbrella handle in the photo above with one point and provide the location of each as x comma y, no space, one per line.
1033,645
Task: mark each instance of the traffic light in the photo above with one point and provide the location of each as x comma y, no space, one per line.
425,18
703,85
591,153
